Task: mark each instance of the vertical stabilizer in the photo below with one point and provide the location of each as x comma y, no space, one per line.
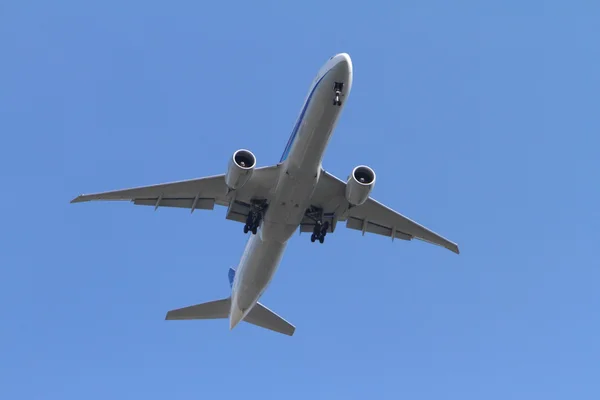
231,276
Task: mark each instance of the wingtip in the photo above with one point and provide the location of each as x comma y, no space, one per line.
82,198
452,247
170,316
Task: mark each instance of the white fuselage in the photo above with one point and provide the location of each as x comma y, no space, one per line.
300,169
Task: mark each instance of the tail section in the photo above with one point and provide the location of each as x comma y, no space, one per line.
259,315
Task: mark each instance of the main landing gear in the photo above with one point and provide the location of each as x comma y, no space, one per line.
252,222
255,216
337,88
321,227
319,232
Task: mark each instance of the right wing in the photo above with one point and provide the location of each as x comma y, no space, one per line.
201,193
371,216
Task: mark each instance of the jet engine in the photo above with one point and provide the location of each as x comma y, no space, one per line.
240,169
359,185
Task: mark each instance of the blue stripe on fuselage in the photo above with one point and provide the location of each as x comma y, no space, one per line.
292,138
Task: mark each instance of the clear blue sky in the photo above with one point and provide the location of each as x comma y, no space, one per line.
481,121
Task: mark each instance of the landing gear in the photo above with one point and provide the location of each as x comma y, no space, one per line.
337,88
252,222
254,218
319,232
320,227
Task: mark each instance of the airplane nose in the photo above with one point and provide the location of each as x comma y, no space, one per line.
344,58
343,62
342,71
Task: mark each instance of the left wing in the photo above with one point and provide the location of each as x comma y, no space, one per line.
371,216
201,193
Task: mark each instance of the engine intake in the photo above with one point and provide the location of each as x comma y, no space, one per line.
359,185
240,169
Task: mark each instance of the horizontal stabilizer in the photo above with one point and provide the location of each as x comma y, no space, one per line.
219,309
265,318
212,310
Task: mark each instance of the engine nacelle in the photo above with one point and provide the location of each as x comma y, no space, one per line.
359,185
240,169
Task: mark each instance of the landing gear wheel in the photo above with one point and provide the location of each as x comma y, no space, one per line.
338,87
321,239
313,238
253,221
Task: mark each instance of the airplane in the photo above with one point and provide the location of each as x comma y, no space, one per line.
275,201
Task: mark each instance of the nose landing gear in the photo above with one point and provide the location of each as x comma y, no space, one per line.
336,100
337,88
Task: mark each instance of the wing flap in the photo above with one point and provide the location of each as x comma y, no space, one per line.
201,204
359,225
238,212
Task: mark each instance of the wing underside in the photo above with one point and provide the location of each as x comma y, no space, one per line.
198,194
372,216
329,199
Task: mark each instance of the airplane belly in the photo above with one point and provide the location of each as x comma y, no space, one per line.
289,204
258,267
